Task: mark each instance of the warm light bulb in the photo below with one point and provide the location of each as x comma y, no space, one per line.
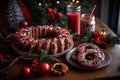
73,0
103,33
40,4
57,2
77,1
71,3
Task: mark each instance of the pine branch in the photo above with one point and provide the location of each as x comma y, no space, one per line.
46,57
112,39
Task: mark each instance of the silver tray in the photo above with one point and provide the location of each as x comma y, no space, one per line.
22,54
106,62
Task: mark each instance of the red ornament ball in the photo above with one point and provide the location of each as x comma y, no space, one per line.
25,72
49,10
42,68
1,59
23,24
58,14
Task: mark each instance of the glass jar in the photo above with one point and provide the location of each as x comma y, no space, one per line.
87,24
73,17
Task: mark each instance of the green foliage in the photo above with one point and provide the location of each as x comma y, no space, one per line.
110,40
87,3
46,57
40,14
76,37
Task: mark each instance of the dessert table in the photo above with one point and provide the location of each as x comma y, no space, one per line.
110,71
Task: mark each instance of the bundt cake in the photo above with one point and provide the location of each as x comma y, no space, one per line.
48,37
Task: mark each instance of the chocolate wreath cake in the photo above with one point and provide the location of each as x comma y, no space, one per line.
50,38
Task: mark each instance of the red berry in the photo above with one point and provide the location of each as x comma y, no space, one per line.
34,61
1,59
49,10
58,14
96,34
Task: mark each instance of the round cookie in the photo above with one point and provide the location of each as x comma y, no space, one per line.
91,58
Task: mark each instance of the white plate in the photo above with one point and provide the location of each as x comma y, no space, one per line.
71,62
23,54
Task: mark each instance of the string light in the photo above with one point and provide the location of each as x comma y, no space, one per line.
73,1
77,1
57,2
40,4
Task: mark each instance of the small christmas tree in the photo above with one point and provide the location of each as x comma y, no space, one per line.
14,15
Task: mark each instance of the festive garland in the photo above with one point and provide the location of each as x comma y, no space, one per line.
38,12
47,12
53,11
100,38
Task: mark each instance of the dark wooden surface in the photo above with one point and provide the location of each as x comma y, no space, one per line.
112,71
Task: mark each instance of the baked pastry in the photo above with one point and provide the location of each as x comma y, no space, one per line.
59,69
88,55
74,56
91,58
50,38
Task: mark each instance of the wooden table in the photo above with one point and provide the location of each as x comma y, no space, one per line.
110,71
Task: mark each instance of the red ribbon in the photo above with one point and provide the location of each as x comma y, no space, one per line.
25,11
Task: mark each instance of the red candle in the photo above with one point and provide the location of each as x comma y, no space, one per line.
74,22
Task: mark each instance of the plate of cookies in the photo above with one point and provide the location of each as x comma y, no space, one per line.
88,56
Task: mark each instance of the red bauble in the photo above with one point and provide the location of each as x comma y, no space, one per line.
23,24
43,68
1,59
49,10
25,72
58,14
